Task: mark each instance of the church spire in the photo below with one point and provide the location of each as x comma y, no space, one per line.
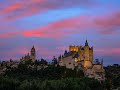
86,43
33,47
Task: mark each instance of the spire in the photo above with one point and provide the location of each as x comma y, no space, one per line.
65,53
33,48
86,43
60,57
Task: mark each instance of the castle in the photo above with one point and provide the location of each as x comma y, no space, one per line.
82,57
31,56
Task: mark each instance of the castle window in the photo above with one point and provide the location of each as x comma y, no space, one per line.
69,63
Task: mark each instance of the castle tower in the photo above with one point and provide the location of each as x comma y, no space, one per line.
33,54
86,51
88,55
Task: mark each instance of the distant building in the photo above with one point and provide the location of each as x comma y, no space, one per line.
7,65
31,56
82,56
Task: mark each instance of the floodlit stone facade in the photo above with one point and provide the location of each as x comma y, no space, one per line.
82,56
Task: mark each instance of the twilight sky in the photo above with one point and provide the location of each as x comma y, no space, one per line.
52,25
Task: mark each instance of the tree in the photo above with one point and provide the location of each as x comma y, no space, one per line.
43,61
54,61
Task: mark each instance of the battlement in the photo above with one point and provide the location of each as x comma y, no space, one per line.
74,48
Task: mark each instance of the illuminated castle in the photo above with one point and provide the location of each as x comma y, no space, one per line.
84,53
82,56
31,56
77,54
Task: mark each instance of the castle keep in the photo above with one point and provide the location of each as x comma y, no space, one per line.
84,53
82,57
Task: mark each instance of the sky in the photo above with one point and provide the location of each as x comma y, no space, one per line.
52,25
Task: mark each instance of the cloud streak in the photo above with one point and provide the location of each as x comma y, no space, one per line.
104,25
21,8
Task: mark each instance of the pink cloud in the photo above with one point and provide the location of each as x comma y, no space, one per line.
60,28
13,8
20,9
108,23
7,35
20,5
57,29
108,51
103,24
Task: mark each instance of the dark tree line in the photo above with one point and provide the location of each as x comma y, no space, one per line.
38,84
51,78
112,73
55,77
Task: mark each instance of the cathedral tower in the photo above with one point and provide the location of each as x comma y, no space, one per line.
33,54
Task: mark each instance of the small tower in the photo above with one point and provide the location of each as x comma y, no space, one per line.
65,53
86,51
33,54
86,43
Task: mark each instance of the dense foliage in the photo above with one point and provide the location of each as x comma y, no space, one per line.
112,76
50,73
50,78
54,77
38,84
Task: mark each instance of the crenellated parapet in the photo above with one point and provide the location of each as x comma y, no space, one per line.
74,48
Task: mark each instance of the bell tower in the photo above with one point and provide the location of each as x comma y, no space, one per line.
33,54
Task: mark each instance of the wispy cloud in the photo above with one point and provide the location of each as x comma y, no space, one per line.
21,8
102,24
